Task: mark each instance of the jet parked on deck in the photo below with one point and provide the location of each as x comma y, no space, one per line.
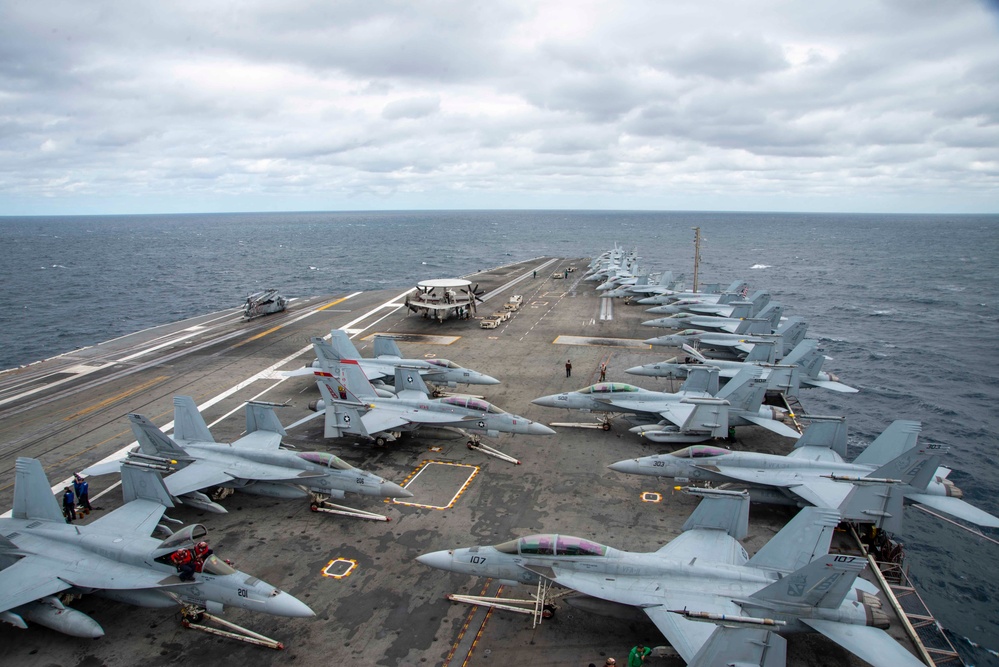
42,557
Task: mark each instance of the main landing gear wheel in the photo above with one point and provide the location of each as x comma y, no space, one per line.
380,441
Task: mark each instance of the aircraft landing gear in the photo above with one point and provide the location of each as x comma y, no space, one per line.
195,618
474,442
322,504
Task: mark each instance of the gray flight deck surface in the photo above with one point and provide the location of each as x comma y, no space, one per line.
70,412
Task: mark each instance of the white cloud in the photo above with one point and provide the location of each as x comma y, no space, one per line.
447,103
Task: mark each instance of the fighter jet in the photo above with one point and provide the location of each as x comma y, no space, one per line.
352,406
707,294
766,321
781,378
730,308
815,473
714,604
790,333
388,357
255,464
42,556
640,288
743,396
806,356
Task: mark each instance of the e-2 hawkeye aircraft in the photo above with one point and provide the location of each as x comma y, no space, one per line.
41,556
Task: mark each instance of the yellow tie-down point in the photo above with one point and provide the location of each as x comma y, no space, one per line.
339,568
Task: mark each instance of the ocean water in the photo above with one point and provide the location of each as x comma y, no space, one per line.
906,306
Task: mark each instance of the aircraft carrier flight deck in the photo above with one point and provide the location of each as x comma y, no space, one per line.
374,604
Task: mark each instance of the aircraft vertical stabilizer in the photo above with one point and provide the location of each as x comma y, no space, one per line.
409,384
33,497
823,583
744,392
153,441
145,484
340,346
385,346
827,432
261,417
701,378
805,537
764,352
188,424
900,436
720,510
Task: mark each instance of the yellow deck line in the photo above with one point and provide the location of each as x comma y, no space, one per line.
117,397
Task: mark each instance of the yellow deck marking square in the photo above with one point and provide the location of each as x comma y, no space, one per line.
437,484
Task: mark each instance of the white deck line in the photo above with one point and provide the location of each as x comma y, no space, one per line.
264,374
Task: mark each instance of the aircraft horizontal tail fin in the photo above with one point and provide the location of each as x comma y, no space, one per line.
188,424
879,504
872,645
720,510
145,484
33,497
805,537
152,440
742,647
824,583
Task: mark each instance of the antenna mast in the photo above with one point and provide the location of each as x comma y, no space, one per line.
697,253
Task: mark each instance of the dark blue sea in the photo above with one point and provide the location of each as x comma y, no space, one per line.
907,307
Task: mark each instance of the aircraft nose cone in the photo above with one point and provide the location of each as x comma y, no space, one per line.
628,466
662,340
439,559
539,429
392,490
546,401
488,379
285,604
635,370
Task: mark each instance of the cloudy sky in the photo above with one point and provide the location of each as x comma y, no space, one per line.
183,106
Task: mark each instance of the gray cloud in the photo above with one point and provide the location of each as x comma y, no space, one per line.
184,105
